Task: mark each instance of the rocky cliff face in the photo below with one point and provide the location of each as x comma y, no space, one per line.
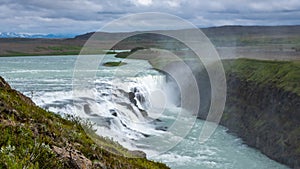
265,117
262,106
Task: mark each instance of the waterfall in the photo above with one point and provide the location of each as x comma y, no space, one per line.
118,107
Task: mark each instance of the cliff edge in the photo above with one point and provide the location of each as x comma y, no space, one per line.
263,107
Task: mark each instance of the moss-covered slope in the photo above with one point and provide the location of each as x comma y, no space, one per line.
280,74
34,138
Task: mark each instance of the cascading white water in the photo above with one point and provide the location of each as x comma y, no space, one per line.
126,118
109,106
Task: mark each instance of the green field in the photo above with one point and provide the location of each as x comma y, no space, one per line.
281,74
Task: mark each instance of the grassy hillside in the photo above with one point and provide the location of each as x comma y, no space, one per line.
281,74
34,138
25,47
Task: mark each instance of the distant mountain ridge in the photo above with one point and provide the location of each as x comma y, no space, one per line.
276,42
211,32
34,35
229,30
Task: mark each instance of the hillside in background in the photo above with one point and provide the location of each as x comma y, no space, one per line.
261,42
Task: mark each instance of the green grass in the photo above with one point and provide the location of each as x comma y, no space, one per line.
258,40
114,64
126,54
15,53
62,48
28,134
254,40
123,54
281,74
57,50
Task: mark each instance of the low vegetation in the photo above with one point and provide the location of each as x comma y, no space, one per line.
282,74
126,54
113,64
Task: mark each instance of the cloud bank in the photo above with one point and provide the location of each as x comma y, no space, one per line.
80,16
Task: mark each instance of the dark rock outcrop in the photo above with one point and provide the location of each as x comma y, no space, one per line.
131,97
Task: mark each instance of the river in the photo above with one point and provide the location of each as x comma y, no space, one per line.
48,80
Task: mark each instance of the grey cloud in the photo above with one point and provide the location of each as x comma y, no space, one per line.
79,16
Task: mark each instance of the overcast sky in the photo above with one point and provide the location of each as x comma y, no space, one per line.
81,16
